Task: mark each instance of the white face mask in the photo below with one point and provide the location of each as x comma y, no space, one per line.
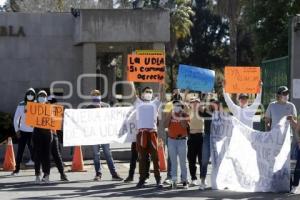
147,96
285,98
177,109
42,99
30,97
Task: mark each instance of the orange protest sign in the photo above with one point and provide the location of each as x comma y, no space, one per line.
146,68
242,79
47,116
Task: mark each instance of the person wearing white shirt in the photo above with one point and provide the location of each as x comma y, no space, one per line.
23,132
243,111
147,110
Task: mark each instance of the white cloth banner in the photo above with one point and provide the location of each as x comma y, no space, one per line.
247,160
99,126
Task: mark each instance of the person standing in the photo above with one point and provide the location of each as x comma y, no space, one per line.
243,111
97,103
24,132
279,108
207,116
195,140
147,139
55,151
177,122
42,140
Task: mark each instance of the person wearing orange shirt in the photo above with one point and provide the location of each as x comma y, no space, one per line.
177,122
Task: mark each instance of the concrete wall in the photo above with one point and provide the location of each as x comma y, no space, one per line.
295,61
44,55
126,25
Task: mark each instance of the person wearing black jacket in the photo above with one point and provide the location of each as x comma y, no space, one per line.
42,140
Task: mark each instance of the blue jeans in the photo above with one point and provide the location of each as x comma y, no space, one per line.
108,158
205,155
178,148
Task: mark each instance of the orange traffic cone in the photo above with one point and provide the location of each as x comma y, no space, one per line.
9,159
161,157
77,164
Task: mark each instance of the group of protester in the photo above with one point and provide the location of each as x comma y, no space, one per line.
41,142
187,122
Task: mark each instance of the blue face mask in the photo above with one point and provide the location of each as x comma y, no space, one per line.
96,99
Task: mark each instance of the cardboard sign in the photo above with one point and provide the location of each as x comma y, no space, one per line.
146,68
195,78
242,79
47,116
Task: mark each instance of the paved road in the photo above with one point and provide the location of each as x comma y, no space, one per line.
81,186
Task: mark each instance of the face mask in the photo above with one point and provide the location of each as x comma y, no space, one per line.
285,98
177,109
30,97
42,99
96,99
147,96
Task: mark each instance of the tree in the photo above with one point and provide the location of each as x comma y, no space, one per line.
208,45
230,10
56,5
269,22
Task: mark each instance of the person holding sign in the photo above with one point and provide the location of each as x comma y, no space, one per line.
55,151
147,140
243,111
42,139
97,103
23,131
177,123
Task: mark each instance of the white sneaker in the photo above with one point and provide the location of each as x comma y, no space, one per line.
168,181
202,186
37,179
15,173
293,190
194,183
29,163
45,179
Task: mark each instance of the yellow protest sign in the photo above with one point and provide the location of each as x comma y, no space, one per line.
146,68
242,79
47,116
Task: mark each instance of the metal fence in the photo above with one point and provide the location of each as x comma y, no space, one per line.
275,73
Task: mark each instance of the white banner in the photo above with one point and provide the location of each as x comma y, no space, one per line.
98,126
246,160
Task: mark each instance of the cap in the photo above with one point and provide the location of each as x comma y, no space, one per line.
243,95
42,92
95,93
282,89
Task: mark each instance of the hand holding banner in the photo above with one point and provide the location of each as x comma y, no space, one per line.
195,78
47,116
242,79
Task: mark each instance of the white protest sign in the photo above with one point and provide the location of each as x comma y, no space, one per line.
246,160
98,126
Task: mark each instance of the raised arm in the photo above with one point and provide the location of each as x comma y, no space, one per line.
231,105
257,100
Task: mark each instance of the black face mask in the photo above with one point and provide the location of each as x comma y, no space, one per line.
176,97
